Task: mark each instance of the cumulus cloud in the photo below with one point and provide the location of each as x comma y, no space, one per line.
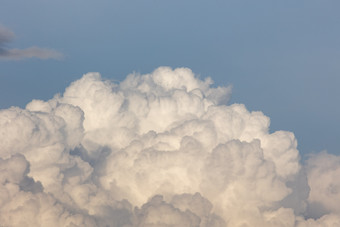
160,149
6,36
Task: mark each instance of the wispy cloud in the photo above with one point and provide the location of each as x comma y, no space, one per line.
6,36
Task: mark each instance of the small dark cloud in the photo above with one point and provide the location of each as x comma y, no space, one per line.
6,36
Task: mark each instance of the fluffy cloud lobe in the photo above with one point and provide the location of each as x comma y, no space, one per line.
6,36
161,149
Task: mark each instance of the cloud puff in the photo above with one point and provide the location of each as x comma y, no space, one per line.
160,149
7,36
323,171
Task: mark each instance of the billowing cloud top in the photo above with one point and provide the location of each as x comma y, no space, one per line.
7,36
160,149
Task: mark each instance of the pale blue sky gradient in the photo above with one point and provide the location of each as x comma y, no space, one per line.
282,57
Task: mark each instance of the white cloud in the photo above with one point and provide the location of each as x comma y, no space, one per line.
7,36
323,177
159,149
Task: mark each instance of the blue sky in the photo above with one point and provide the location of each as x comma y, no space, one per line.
282,57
